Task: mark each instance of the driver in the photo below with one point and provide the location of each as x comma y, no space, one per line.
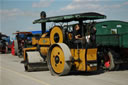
77,36
77,32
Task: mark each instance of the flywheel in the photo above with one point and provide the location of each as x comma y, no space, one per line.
56,35
58,59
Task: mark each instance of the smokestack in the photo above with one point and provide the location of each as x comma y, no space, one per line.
43,25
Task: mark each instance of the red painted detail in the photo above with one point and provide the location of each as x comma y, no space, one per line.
107,61
107,64
13,49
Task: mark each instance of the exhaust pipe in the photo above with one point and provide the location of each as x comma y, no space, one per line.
43,25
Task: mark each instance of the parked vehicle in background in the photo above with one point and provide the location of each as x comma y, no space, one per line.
112,42
23,40
5,43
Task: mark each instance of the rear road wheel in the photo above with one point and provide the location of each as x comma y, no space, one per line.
58,59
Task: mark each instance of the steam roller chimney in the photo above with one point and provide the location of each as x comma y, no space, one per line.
43,25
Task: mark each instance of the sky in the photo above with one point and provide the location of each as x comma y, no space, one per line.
18,15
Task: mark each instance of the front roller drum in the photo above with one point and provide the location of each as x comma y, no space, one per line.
58,59
28,68
34,62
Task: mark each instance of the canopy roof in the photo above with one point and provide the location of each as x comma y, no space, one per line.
72,17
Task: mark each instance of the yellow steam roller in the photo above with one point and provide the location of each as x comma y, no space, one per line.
64,48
